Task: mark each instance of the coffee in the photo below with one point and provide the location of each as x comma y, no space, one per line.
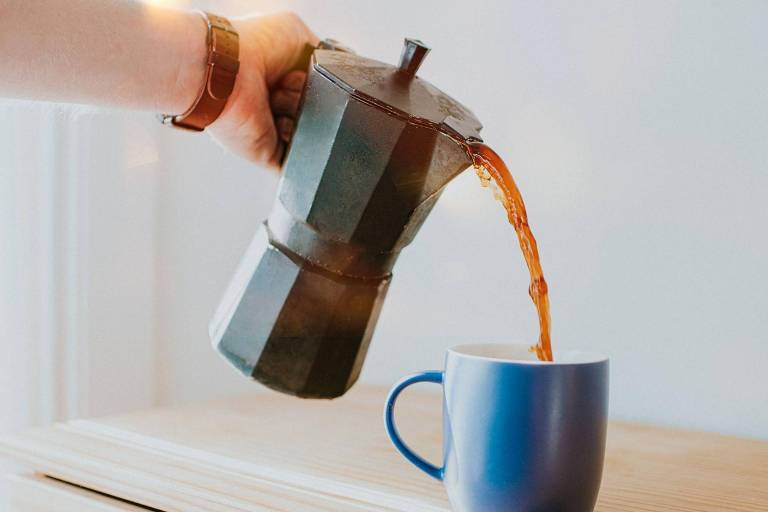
489,166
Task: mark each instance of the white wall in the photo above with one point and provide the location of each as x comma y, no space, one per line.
77,258
638,135
636,131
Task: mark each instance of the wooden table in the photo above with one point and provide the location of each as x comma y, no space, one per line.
271,452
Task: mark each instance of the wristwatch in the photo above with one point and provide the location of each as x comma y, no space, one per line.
222,65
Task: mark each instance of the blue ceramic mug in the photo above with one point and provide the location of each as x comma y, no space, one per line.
518,434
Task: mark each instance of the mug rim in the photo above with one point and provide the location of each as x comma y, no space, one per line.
572,357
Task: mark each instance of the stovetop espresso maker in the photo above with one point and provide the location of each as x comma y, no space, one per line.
373,147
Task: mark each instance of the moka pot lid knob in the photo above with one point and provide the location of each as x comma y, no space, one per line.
412,56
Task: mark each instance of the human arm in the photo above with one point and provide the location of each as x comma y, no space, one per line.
127,54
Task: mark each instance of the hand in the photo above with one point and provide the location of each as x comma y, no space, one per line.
258,119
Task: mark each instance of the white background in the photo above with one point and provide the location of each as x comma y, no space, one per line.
637,132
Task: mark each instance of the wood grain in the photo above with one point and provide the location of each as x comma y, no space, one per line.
271,452
36,493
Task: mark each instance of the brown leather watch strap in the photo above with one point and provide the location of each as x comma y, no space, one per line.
221,71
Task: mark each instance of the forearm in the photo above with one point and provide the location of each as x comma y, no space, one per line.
109,52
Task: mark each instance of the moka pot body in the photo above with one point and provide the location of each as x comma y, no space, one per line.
362,173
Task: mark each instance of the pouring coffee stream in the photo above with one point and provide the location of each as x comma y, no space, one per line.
490,166
372,151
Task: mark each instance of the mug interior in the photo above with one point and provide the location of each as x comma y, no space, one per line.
520,353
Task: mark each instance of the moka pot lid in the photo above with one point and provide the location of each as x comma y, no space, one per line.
397,89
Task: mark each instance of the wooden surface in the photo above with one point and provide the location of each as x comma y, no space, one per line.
271,452
35,493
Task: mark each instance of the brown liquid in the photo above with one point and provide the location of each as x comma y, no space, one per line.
489,166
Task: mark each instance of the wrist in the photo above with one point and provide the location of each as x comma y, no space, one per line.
188,66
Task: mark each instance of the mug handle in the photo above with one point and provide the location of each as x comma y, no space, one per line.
389,421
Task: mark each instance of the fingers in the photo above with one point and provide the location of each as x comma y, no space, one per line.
250,130
284,102
294,80
261,116
285,127
277,156
285,105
